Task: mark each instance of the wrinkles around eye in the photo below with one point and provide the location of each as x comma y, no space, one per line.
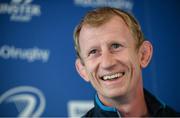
93,51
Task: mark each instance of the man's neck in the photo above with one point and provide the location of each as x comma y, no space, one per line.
133,105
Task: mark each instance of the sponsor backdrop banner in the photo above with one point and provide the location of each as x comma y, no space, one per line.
37,72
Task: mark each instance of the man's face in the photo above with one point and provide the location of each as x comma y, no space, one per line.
111,61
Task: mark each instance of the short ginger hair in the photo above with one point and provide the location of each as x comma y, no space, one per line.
100,16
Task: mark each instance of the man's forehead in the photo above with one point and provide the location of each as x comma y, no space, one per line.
114,26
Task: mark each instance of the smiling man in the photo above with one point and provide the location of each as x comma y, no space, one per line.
111,54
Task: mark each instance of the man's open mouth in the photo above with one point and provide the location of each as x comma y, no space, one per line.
112,76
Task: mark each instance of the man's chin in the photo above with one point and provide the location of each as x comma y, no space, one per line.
114,95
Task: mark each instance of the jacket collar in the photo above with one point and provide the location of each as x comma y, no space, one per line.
102,106
104,111
154,106
153,103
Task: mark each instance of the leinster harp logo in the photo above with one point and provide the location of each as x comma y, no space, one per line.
29,101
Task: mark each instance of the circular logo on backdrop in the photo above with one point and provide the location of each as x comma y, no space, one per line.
29,101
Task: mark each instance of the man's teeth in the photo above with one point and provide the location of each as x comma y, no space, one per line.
114,76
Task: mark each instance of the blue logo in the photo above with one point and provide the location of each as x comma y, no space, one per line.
29,101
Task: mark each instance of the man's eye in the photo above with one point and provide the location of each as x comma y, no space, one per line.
115,45
93,51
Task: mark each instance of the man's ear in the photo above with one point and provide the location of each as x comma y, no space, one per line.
81,69
145,51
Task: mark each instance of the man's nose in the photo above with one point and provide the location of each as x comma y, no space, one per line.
107,60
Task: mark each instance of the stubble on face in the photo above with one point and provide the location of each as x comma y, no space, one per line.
131,63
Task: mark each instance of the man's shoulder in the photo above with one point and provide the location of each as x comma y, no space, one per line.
168,111
89,113
158,108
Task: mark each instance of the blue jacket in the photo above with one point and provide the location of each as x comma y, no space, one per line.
155,108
